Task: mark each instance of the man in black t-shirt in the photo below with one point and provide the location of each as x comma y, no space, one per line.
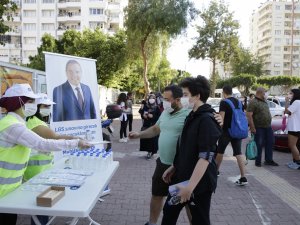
226,113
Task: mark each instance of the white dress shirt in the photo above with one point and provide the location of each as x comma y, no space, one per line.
19,134
75,91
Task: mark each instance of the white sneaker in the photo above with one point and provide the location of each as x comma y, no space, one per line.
125,140
121,140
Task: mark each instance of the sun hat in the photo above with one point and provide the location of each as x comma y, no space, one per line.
18,90
43,99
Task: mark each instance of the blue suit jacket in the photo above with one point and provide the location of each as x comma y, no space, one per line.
67,106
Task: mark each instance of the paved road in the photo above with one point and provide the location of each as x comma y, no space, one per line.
271,198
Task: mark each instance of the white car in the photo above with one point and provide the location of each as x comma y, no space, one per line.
275,109
215,103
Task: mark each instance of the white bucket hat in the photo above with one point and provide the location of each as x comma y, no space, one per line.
18,90
43,99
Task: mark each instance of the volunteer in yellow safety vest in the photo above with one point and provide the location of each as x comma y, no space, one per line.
39,160
16,140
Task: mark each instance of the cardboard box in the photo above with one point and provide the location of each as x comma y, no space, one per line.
50,196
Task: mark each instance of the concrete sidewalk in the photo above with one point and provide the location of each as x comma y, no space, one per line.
272,196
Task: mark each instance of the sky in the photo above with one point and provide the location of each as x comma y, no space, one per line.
178,51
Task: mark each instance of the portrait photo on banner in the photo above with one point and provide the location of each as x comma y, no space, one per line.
72,84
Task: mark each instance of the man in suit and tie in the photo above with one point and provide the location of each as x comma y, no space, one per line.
73,99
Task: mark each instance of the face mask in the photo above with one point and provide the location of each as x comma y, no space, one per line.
29,109
290,96
185,102
45,112
151,101
168,107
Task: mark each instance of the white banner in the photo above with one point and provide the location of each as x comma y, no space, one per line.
72,84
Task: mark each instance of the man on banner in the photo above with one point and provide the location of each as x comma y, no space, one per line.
73,99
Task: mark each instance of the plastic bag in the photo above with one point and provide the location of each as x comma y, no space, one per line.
251,149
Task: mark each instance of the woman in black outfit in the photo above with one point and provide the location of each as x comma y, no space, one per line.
150,114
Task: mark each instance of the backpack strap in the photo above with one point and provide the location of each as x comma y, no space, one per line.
232,105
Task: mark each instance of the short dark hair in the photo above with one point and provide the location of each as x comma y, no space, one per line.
71,62
129,94
197,85
175,89
296,96
227,90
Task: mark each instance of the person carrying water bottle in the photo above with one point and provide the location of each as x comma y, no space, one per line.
227,113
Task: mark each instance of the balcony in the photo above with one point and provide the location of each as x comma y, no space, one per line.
114,6
98,18
62,4
69,16
114,19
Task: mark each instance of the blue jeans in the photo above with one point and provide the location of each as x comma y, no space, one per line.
264,138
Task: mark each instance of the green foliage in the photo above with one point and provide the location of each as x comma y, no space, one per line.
256,85
243,82
279,80
217,36
49,44
6,6
151,21
244,62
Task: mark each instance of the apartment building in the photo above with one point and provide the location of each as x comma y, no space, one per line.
275,36
34,18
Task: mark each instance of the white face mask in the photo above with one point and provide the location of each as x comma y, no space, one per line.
266,95
185,102
151,101
290,96
29,109
45,112
167,106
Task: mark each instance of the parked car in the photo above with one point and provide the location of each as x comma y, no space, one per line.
215,103
279,100
280,136
275,109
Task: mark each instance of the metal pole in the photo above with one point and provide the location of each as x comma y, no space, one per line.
292,47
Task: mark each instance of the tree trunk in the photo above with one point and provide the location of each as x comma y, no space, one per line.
145,70
213,79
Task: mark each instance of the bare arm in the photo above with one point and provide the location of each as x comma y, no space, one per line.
148,133
198,173
222,113
250,121
287,104
47,133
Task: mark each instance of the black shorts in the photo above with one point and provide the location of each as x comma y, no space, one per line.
159,187
225,139
294,133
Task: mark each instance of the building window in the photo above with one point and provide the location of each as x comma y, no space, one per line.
48,13
29,40
29,13
29,26
277,32
48,26
277,40
94,25
277,48
29,1
277,7
288,7
276,72
276,64
94,11
48,1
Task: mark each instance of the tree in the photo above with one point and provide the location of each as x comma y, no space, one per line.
49,44
146,19
284,82
245,62
217,38
244,82
6,6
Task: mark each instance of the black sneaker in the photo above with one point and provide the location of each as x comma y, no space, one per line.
257,164
242,181
270,163
149,155
218,173
296,161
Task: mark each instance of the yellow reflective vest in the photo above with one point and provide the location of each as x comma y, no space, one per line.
13,161
38,161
